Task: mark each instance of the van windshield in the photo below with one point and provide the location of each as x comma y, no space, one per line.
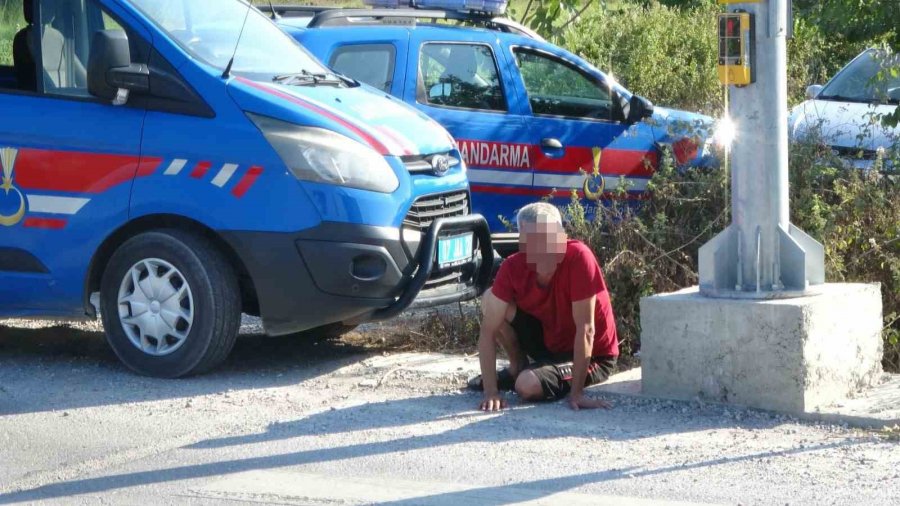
210,30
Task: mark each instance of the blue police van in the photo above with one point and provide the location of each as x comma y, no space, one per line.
170,164
529,116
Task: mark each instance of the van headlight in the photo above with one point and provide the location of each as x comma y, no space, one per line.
323,156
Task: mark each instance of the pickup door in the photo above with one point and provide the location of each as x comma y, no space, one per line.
576,122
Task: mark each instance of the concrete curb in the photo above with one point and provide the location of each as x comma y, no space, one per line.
627,384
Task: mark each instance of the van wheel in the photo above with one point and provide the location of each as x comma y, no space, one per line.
170,304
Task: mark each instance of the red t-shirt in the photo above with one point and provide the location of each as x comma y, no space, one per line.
578,277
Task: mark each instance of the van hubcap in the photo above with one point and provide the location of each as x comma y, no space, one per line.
156,307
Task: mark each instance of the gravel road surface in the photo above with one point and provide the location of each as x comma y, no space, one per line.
298,422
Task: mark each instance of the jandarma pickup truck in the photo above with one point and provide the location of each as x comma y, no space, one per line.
529,116
170,164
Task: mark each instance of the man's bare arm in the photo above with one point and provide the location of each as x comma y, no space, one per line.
583,314
494,314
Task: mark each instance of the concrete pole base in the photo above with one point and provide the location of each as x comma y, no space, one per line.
792,355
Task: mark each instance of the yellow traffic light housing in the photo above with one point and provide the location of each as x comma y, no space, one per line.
736,49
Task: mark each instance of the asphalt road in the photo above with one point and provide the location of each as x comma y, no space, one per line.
290,422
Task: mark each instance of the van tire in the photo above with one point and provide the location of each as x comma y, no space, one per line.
212,299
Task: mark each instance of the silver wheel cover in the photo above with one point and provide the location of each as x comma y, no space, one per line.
156,307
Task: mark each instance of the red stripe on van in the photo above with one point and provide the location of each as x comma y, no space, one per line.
72,171
247,181
372,141
47,223
200,170
148,166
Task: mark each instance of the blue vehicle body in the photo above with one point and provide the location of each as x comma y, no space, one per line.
519,148
83,177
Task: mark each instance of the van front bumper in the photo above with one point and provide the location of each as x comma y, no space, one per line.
341,272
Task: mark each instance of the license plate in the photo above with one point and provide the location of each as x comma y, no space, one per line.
454,250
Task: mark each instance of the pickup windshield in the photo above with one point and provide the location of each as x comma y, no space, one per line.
871,78
210,30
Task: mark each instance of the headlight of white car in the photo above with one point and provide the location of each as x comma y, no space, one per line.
323,156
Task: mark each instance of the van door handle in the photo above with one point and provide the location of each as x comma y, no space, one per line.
551,143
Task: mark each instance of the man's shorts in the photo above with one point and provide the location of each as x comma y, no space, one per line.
554,370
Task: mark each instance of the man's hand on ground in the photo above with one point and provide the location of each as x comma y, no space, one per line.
493,402
578,402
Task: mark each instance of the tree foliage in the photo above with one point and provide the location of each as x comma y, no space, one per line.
854,20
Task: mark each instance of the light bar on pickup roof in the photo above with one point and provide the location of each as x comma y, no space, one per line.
494,7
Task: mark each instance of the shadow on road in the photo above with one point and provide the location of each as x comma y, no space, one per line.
61,367
521,424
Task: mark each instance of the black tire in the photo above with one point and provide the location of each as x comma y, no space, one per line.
216,304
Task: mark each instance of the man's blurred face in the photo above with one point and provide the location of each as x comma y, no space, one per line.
544,244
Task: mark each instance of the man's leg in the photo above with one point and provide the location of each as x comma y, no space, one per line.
528,386
508,339
496,330
551,382
521,337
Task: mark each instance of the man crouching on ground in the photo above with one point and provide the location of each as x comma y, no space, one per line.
549,304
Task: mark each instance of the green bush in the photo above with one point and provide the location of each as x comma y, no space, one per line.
856,215
666,54
10,22
654,249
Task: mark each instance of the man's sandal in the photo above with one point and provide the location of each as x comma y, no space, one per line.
505,381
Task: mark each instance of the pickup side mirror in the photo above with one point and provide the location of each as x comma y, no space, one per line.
813,91
111,75
639,108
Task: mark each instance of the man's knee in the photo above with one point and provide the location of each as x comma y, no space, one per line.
528,386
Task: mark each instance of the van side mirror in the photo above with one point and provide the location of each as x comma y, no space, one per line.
813,91
639,108
111,75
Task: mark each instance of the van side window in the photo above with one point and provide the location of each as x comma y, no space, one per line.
66,32
460,75
372,64
558,88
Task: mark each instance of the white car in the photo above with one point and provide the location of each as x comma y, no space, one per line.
845,113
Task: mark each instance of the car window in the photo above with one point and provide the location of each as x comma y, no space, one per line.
867,79
460,75
557,88
66,32
372,64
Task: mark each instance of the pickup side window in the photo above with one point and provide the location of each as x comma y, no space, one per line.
372,64
460,75
556,87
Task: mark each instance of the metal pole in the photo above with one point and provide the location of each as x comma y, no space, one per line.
782,255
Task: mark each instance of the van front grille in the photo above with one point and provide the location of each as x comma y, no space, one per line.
431,207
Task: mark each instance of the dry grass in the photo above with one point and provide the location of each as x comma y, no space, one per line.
450,329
